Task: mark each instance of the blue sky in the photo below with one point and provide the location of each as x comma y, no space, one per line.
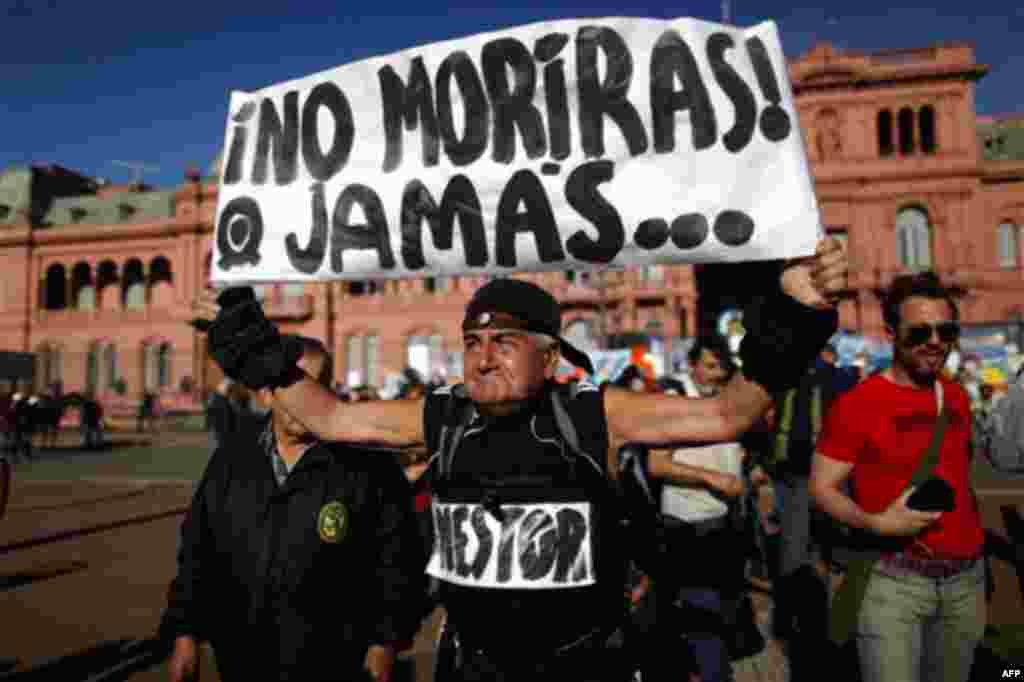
86,83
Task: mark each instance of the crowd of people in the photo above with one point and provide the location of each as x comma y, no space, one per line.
582,532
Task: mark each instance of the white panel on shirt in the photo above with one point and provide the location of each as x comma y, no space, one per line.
535,547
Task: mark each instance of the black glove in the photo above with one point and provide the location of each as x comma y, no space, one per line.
247,346
783,339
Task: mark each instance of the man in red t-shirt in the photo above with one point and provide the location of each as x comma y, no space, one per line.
924,609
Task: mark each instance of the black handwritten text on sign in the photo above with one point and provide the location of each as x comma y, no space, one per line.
533,546
497,93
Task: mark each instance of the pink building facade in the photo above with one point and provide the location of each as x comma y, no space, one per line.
98,280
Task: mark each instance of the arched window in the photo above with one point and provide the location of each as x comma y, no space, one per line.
133,285
160,270
160,282
56,288
163,365
906,128
913,238
83,293
885,143
1009,245
108,295
926,121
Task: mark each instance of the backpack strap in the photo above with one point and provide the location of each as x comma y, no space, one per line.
568,431
458,414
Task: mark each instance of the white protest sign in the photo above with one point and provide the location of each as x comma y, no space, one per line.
559,145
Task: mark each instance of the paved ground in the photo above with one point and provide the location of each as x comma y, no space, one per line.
88,547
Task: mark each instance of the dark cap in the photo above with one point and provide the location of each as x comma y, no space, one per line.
516,304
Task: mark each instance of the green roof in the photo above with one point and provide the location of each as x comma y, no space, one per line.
1002,140
15,194
121,207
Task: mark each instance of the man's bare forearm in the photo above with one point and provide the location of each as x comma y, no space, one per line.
661,466
392,423
839,506
661,421
744,403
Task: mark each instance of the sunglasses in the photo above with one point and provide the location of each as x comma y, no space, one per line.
948,332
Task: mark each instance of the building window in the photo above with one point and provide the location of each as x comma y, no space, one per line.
113,372
372,360
86,299
83,293
1009,238
55,288
354,363
362,359
364,287
425,354
905,123
92,370
926,121
913,239
885,143
50,361
437,285
133,282
163,365
417,355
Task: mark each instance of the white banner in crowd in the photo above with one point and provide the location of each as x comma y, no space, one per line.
559,145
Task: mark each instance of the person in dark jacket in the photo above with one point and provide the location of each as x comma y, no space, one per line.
221,414
298,560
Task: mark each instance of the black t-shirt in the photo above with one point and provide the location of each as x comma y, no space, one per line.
525,545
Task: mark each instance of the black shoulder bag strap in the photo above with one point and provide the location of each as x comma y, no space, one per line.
457,416
850,595
568,431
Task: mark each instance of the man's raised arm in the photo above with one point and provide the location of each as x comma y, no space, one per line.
249,348
389,423
785,333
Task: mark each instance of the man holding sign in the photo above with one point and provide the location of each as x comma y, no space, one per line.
560,145
525,535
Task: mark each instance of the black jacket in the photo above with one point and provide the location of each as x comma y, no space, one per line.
283,583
